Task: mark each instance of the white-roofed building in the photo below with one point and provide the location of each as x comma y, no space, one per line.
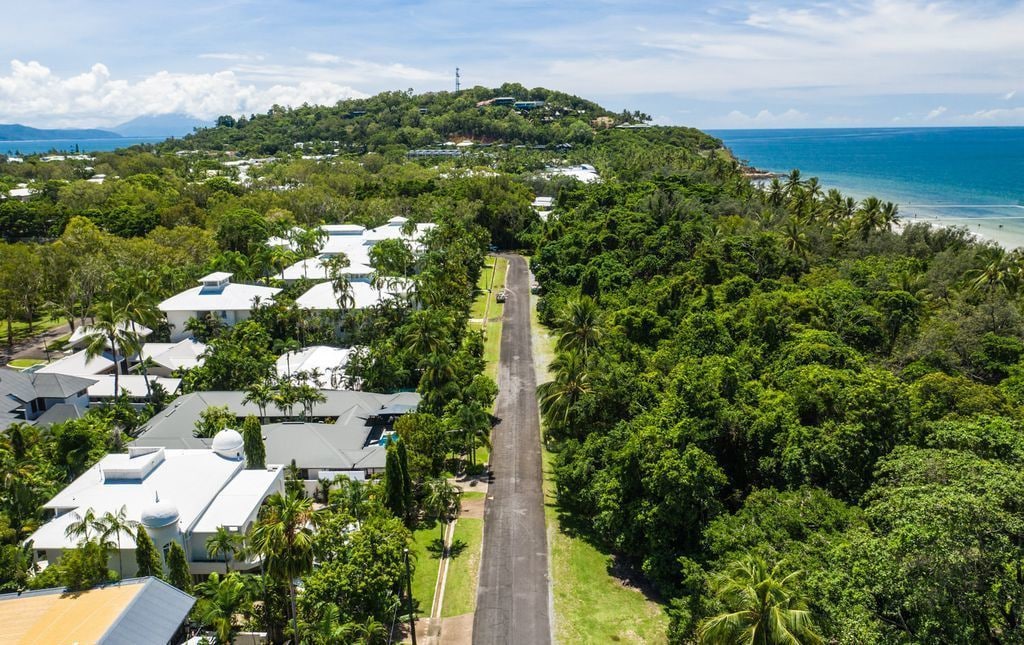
168,358
217,295
79,364
177,495
322,297
316,269
82,334
132,384
583,172
328,363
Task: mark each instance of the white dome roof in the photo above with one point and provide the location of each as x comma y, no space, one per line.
227,442
159,514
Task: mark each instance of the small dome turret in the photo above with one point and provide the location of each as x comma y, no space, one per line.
159,514
228,443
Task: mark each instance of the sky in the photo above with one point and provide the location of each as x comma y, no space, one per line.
726,64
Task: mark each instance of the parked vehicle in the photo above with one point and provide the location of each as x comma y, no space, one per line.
501,296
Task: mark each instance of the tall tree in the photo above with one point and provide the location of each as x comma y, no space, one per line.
223,543
394,487
177,568
147,558
283,537
255,449
114,524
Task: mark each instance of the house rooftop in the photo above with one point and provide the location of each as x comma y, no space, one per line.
322,297
79,364
214,295
189,479
136,610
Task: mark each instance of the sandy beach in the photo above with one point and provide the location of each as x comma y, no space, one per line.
1005,228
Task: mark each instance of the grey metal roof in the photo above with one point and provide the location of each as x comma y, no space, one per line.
59,414
153,616
59,386
340,445
15,385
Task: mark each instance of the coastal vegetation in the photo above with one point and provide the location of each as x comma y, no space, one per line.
770,394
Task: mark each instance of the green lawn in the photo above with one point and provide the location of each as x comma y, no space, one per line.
41,324
427,565
25,362
482,286
460,590
492,348
591,605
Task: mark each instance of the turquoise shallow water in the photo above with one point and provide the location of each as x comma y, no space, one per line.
68,145
971,177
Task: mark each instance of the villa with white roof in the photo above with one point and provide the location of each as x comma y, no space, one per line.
323,297
179,496
217,295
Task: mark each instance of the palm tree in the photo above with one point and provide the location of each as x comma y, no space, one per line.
220,599
581,326
474,424
308,396
437,384
285,397
223,542
83,525
570,383
340,280
762,608
260,393
109,328
443,500
793,182
796,240
114,524
869,218
427,331
139,307
283,537
354,495
370,632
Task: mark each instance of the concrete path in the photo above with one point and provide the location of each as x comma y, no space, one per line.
513,593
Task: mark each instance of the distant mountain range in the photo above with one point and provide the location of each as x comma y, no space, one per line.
163,125
16,132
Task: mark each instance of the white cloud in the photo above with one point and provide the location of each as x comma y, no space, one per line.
229,56
994,116
936,113
322,59
1009,95
824,48
32,91
763,119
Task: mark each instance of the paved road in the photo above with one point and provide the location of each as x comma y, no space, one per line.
512,597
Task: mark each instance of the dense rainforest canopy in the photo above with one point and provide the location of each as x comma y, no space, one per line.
757,387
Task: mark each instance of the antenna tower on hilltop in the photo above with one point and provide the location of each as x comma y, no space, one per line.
457,77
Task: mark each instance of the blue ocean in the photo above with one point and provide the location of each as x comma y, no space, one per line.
970,177
72,145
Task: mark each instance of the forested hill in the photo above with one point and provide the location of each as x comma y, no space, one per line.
403,119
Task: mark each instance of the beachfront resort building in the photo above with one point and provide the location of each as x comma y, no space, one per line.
346,434
229,302
178,495
129,612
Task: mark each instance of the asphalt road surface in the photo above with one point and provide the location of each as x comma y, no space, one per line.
512,598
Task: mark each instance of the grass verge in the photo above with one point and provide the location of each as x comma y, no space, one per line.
427,565
591,605
460,592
